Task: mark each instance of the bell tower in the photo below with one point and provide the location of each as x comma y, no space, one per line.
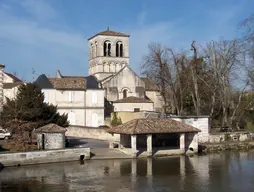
108,53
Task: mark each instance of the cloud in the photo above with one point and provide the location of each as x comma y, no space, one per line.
39,9
33,35
39,46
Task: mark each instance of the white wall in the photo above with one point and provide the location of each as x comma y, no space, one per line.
201,123
94,117
95,98
83,107
10,93
130,106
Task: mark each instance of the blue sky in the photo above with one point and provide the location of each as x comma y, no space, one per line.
52,34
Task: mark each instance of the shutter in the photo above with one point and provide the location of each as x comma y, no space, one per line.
70,96
71,118
94,98
46,97
95,120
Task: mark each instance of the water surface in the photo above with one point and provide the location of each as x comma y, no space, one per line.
223,172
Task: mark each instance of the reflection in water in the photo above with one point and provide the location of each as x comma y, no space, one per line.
215,172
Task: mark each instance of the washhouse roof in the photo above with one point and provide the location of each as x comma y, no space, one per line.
152,126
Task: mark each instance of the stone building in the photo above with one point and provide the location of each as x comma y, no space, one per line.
11,84
109,63
50,136
78,96
159,136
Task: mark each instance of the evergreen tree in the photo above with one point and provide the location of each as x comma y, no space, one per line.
29,106
115,120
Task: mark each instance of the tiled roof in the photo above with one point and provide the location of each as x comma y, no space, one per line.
51,128
110,33
73,76
132,99
153,126
150,85
72,83
16,79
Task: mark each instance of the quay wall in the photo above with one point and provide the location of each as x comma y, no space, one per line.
47,156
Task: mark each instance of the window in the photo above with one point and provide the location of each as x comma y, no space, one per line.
94,120
94,97
107,48
71,118
119,49
124,93
46,97
70,96
136,109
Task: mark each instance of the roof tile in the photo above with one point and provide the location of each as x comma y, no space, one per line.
71,83
110,33
153,126
132,99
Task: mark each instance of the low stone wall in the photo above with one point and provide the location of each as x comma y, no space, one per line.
48,156
91,133
216,147
227,137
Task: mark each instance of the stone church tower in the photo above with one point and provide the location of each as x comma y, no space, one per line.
108,53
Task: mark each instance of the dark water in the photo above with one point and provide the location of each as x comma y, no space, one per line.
225,172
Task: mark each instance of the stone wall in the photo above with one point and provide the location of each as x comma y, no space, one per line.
200,122
227,137
48,156
91,133
51,140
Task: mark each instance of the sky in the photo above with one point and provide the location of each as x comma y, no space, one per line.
48,35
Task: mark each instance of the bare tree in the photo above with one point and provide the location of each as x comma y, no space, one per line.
167,68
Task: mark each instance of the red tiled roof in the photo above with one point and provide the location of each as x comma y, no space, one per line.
132,99
51,128
110,33
152,126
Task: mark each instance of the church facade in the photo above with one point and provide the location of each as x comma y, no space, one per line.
111,85
109,63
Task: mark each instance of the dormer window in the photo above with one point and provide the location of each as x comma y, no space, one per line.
107,48
119,49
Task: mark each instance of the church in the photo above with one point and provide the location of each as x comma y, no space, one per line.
109,63
112,86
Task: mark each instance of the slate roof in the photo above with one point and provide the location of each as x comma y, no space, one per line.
43,82
132,99
51,128
110,33
150,85
91,82
152,126
72,83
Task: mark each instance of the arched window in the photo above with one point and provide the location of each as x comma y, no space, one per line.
107,48
91,51
96,46
119,49
124,93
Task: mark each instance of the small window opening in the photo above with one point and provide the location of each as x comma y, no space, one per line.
136,109
124,93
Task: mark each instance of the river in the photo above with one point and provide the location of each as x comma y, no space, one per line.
220,172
